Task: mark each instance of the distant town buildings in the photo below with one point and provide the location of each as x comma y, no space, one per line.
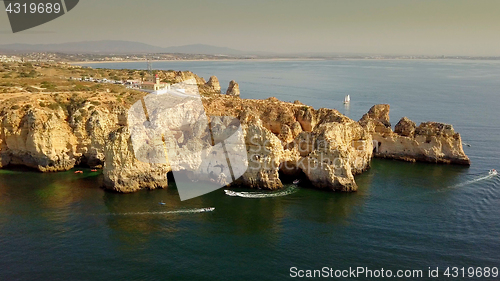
4,58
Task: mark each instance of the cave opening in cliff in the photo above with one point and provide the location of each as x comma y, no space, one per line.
170,177
376,146
289,172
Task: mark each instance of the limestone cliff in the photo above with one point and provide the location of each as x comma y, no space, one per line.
123,172
55,131
50,140
322,146
284,141
429,142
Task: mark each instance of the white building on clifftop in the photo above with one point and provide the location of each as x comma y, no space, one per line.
155,86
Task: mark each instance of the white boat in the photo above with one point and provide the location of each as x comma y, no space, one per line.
347,99
493,172
230,192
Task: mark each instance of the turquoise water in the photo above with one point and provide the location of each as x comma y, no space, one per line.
404,216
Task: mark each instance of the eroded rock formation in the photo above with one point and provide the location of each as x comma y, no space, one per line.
233,89
49,140
123,172
55,132
429,142
213,84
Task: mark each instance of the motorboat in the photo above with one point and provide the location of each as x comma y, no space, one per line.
230,192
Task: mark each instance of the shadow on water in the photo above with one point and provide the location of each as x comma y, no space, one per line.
52,192
396,180
425,175
253,215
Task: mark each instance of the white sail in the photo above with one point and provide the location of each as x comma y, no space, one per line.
347,99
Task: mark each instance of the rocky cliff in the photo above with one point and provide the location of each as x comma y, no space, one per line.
293,140
284,141
55,131
41,133
429,142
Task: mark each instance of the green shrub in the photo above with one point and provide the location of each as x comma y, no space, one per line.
80,88
54,106
31,74
48,85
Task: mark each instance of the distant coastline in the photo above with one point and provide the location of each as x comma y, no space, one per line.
289,59
232,59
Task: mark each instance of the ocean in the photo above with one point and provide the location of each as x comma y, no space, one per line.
405,216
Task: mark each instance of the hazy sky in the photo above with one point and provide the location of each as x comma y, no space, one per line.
421,27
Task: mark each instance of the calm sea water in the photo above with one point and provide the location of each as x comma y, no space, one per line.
404,216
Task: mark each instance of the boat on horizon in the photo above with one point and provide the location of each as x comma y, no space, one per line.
347,99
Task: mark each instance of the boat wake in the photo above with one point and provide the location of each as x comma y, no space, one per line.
182,211
491,174
258,194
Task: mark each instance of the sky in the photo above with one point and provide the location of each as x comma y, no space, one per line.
398,27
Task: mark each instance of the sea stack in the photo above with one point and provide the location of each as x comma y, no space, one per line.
213,84
233,89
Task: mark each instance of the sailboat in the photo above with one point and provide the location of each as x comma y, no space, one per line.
347,99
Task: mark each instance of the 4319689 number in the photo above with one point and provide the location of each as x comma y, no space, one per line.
471,272
33,8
